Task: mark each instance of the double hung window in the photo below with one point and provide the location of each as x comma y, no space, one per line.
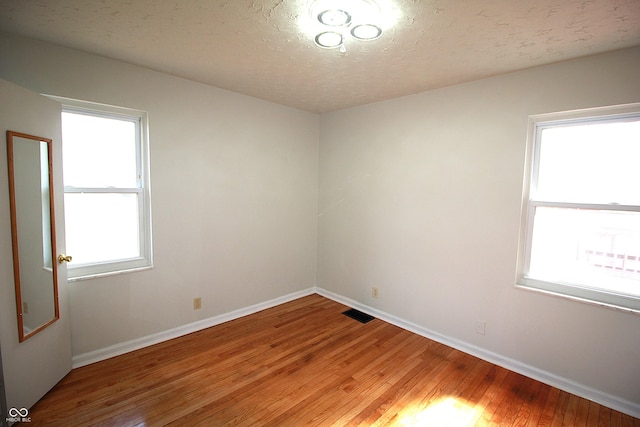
581,214
106,189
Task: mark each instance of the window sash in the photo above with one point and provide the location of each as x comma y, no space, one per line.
138,118
569,289
96,190
141,221
531,212
96,269
537,126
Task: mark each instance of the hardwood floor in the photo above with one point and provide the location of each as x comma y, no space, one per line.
304,363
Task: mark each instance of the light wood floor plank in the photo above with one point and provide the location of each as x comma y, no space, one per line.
304,363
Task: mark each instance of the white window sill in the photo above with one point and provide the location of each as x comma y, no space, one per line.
526,284
109,273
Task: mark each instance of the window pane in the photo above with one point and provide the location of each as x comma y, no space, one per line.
590,163
99,152
597,249
101,227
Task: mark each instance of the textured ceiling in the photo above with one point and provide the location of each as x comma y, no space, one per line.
258,47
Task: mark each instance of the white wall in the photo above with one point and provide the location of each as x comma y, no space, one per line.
420,196
234,195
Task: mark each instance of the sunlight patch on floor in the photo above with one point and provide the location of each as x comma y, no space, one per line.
447,411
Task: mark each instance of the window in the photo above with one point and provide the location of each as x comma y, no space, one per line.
106,189
581,213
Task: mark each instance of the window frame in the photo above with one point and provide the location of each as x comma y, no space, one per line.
143,190
574,291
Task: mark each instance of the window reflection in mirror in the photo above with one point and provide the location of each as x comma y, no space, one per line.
33,237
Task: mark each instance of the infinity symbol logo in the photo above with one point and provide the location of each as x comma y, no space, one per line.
22,412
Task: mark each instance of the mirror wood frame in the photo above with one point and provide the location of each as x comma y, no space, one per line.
22,336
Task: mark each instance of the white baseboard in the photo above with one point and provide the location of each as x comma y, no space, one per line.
610,401
138,343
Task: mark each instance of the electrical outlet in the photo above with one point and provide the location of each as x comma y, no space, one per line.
480,327
374,292
197,303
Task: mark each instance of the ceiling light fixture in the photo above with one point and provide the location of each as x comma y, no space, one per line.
338,20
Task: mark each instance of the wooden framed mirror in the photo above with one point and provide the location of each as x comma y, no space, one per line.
33,232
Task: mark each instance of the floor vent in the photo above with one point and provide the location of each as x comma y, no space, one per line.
358,315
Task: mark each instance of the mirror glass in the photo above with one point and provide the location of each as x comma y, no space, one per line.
33,233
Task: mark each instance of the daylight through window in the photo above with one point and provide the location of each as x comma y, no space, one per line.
107,212
581,230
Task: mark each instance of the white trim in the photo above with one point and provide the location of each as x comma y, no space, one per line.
109,273
608,400
582,293
145,239
590,301
596,113
138,343
589,206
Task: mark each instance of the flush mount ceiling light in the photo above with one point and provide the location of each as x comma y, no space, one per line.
335,21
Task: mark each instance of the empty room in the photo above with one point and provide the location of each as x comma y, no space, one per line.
319,212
